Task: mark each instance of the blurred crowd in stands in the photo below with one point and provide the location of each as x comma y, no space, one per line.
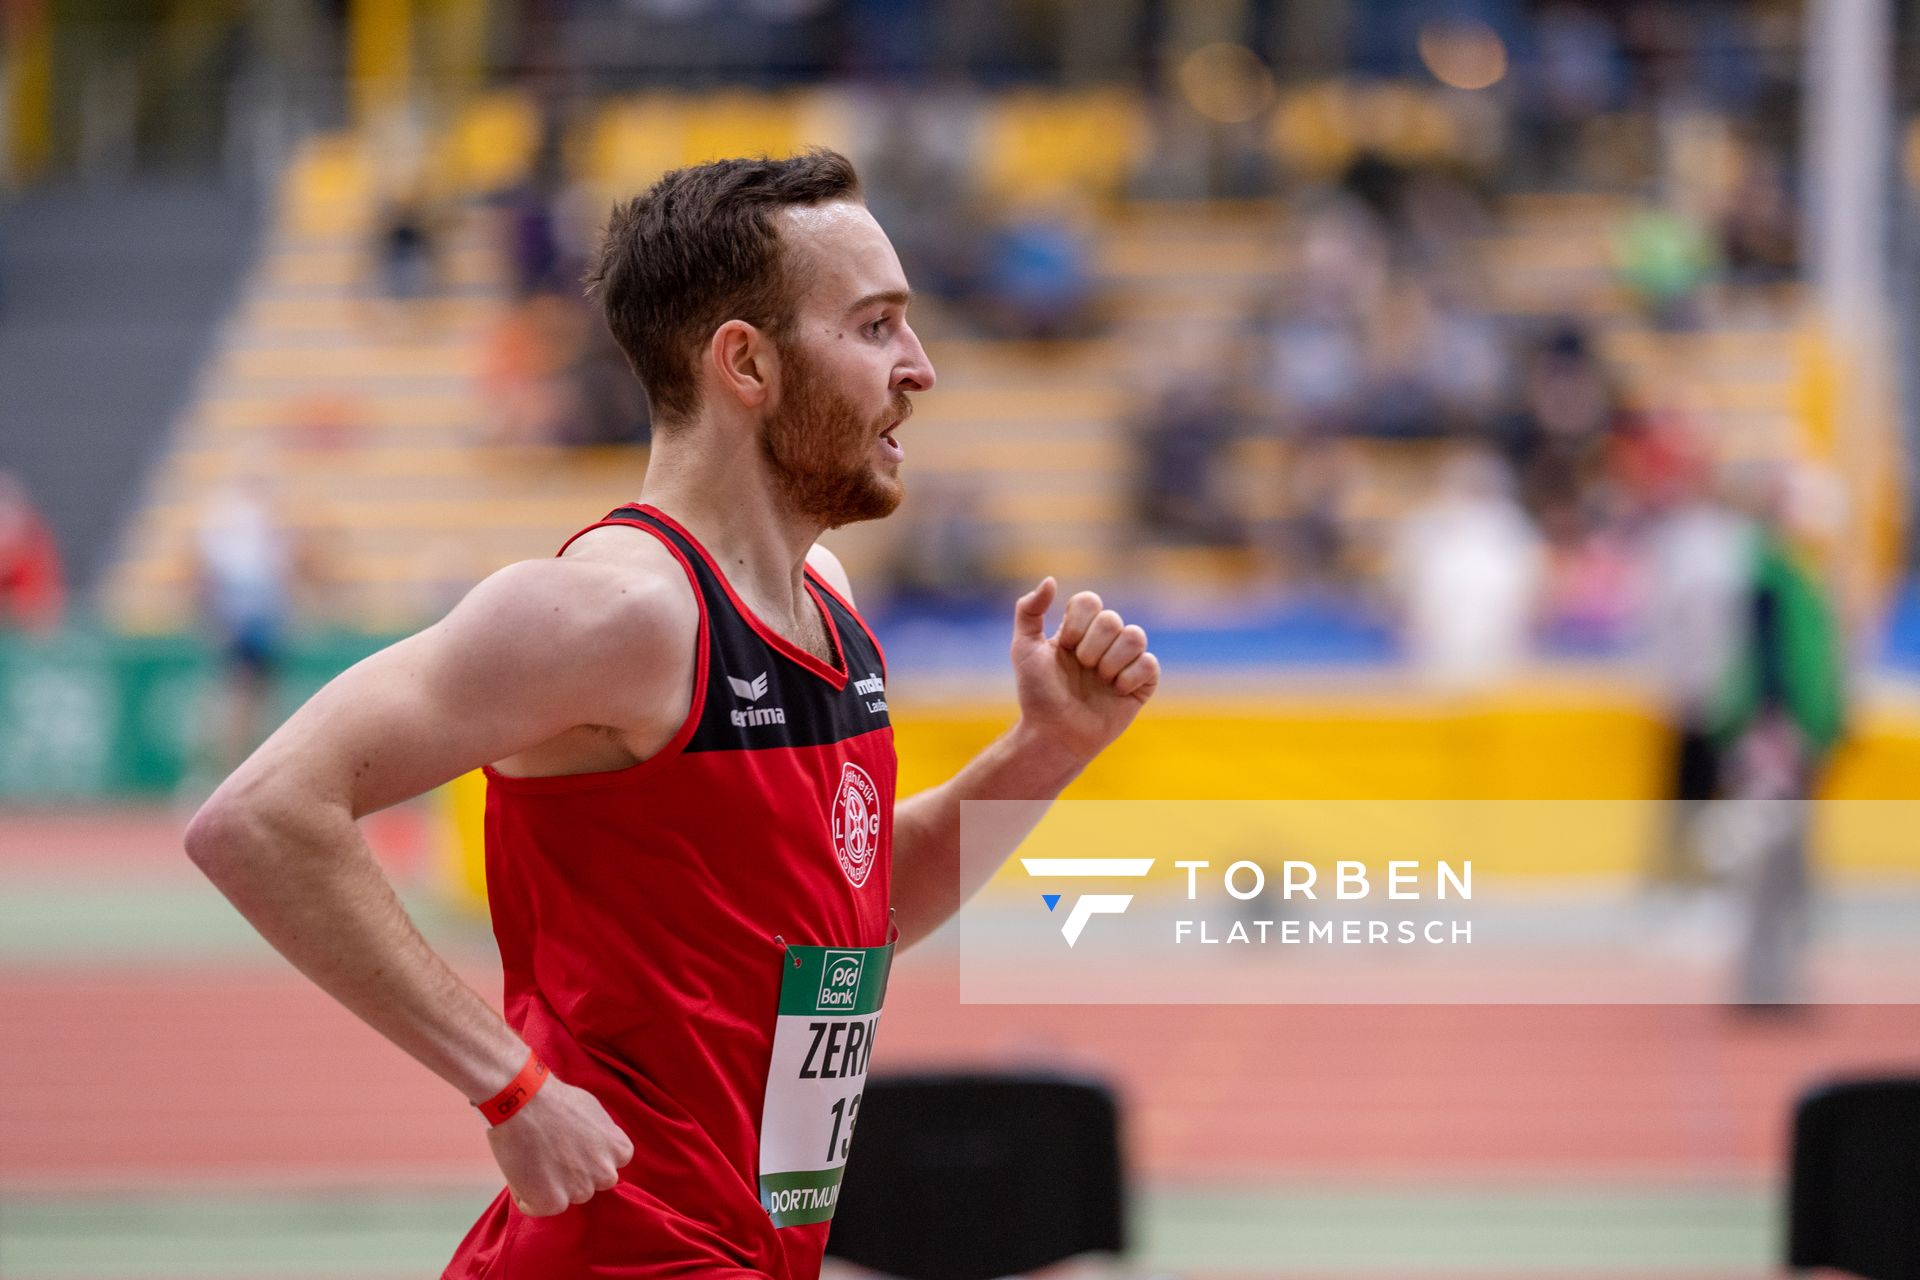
1383,422
1389,329
1534,454
550,373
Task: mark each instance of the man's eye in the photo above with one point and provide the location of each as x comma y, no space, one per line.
876,327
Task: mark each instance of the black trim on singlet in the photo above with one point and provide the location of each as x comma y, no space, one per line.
762,690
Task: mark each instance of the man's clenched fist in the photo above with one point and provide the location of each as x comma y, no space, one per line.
560,1149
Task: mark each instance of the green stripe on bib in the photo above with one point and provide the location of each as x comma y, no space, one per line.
834,980
798,1199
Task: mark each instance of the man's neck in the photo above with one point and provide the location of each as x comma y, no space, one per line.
730,504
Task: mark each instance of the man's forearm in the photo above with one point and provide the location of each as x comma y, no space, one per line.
303,876
930,879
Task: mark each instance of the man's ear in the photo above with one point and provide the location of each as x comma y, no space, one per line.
745,363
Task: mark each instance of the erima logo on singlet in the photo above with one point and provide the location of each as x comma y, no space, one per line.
753,690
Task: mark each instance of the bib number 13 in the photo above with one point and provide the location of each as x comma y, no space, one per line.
830,1001
837,1146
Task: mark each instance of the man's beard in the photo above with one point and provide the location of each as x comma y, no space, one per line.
820,448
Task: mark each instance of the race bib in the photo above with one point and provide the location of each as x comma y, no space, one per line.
830,1001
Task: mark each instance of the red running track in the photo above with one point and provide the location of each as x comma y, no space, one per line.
128,1074
249,1073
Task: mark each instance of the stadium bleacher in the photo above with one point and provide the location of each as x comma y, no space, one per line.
371,410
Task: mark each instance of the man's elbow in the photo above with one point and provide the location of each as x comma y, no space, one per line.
229,831
215,834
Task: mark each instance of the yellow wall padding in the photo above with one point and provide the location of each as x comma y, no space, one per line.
461,811
1572,744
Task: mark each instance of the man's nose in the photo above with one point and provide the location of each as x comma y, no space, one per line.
917,373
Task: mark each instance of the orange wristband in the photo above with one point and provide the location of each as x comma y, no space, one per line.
506,1104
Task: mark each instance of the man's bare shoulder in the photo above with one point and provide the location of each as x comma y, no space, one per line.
621,544
603,640
606,602
828,566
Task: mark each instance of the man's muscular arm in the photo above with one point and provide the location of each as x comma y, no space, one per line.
538,649
1079,689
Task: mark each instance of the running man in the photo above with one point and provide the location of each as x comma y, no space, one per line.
692,843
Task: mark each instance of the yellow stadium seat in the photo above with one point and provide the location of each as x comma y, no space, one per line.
490,146
1045,146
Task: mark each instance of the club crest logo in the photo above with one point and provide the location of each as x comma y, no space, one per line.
856,823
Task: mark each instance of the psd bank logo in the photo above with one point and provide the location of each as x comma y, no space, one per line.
1087,905
839,981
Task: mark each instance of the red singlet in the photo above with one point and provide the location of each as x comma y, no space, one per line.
637,913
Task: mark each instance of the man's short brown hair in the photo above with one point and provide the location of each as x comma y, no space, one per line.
700,248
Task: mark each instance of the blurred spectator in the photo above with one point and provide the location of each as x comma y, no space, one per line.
533,236
918,175
946,560
1658,457
1442,212
1382,337
524,366
603,402
1699,551
1466,575
1760,233
1591,597
1314,355
406,248
1468,367
546,220
1312,534
251,567
32,594
1664,258
552,374
1039,282
326,420
1778,717
1315,371
1558,434
1577,74
1655,38
1378,183
1019,269
1182,445
1400,400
